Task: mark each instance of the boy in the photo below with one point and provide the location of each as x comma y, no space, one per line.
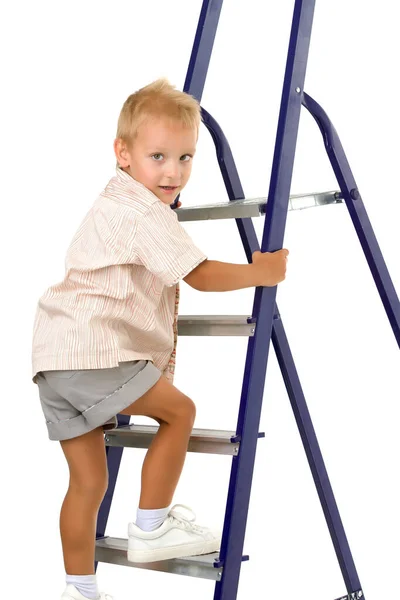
105,338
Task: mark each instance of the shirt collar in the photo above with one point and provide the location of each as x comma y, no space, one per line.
129,182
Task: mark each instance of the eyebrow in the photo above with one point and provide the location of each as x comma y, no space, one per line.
162,150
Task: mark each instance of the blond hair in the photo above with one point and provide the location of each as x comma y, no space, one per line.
158,99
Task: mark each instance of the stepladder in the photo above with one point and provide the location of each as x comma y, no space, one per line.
265,322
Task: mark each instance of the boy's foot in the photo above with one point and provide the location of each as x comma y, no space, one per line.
177,537
71,593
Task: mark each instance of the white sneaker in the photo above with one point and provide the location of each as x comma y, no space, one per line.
71,593
177,537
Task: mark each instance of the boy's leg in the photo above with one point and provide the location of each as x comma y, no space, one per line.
165,458
161,534
88,483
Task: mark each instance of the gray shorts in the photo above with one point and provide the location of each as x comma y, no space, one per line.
76,402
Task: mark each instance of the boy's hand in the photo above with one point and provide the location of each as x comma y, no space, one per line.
179,204
270,266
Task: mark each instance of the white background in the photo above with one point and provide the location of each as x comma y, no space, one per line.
66,70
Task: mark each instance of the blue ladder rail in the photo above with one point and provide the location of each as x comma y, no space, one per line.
265,311
358,214
293,96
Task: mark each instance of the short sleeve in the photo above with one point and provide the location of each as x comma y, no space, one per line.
164,247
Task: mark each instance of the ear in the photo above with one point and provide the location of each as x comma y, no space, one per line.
122,153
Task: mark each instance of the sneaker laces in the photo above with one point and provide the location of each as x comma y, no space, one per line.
188,523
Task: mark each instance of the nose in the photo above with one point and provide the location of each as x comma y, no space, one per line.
172,170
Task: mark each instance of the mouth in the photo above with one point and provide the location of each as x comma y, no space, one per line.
169,188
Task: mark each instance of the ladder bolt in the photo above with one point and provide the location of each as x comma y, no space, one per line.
298,90
355,194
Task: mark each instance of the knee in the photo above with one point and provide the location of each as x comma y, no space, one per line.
92,487
187,410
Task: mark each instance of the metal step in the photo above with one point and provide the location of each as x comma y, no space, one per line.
206,441
253,207
114,551
215,325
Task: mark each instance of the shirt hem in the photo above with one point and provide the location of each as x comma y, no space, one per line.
108,360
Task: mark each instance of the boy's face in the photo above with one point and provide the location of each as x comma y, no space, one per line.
161,157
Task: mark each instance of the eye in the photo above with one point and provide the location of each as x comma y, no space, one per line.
189,156
156,156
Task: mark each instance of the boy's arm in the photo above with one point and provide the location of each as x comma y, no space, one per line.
267,269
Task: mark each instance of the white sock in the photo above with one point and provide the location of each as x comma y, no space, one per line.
149,520
85,584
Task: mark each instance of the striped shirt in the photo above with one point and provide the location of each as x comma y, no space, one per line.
119,298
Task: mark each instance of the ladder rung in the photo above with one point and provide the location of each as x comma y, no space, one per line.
253,207
206,441
215,325
115,550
